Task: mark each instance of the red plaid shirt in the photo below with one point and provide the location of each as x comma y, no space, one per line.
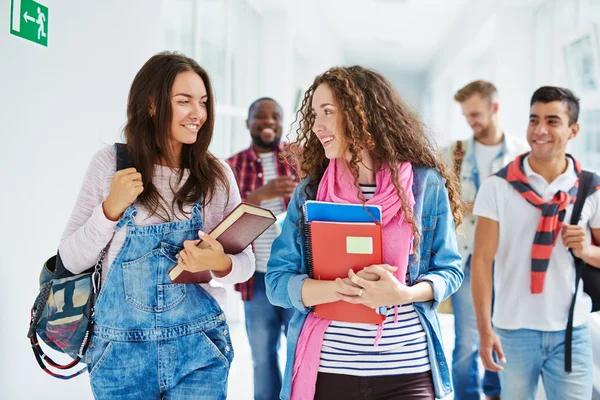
247,168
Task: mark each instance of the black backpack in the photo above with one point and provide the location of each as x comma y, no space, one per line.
584,272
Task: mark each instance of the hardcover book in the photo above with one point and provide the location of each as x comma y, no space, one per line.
235,232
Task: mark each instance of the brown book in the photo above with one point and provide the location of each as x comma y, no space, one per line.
238,229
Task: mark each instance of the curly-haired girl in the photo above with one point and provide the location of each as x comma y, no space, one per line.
360,143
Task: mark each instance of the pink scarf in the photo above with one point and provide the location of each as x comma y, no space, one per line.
338,186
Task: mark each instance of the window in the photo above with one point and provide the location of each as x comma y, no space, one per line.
223,36
179,29
210,42
586,146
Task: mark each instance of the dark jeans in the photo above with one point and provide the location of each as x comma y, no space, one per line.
465,356
394,387
264,324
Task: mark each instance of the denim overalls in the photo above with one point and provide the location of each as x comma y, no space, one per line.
154,339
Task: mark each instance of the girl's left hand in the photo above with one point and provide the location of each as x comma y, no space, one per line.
195,259
386,291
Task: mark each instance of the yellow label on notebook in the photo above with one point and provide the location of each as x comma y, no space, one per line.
359,245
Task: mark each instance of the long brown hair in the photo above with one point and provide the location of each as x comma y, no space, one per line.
373,117
147,135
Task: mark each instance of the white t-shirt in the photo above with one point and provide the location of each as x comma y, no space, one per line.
484,157
514,305
262,244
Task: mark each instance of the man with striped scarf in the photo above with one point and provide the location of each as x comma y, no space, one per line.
523,215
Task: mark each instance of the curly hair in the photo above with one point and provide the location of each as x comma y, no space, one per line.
374,118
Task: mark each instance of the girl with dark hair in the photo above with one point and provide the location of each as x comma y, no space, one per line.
154,339
359,143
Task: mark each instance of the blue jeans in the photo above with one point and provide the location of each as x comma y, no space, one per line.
264,324
465,368
530,354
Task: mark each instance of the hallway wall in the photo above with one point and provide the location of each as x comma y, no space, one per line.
59,105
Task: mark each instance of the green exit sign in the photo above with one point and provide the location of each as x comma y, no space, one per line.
29,20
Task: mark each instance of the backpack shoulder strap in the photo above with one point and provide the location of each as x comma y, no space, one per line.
585,183
458,151
124,160
583,190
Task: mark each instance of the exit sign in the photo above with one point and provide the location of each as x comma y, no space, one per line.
29,20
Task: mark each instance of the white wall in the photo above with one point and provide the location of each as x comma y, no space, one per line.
557,24
492,41
316,50
410,85
517,45
513,72
59,105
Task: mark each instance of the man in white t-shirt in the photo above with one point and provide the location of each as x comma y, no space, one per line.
266,180
523,234
473,160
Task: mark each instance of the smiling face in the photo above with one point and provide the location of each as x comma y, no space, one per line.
327,126
479,113
549,132
265,125
188,105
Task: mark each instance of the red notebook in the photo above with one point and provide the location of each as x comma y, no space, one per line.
337,247
238,229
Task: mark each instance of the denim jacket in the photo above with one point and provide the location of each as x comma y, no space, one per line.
439,263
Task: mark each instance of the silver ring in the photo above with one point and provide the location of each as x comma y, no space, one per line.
360,293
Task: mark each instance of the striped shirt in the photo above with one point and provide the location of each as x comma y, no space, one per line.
349,348
262,245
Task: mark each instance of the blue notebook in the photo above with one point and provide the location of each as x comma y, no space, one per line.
341,212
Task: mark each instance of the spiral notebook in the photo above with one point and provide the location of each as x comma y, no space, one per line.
345,236
335,212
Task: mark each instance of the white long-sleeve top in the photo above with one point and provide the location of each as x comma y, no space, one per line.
88,230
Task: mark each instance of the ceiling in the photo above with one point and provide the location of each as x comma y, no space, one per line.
403,35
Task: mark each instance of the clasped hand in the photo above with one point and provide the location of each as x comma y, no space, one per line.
374,286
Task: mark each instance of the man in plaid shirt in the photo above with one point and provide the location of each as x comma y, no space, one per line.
266,180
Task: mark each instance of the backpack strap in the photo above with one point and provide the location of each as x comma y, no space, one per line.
459,149
585,183
124,160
